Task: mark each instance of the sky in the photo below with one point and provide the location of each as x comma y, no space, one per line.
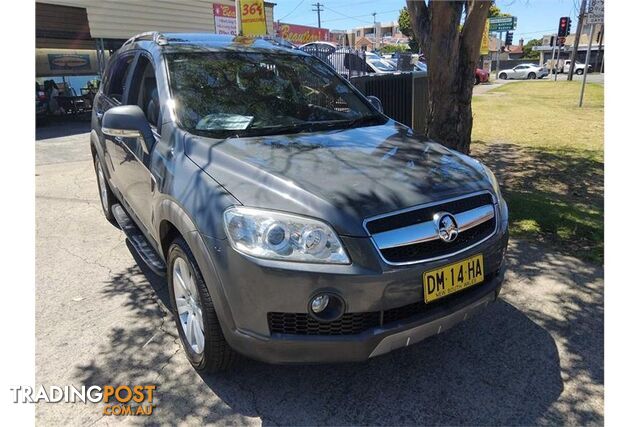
535,17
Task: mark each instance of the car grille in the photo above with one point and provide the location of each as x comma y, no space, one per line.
437,248
417,216
356,323
304,324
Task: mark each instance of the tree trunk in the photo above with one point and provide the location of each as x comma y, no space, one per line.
452,52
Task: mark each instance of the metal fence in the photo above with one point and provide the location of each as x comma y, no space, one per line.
403,94
348,62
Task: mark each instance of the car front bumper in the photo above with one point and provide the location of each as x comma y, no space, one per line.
250,289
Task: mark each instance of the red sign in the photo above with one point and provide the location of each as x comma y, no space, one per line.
301,34
224,18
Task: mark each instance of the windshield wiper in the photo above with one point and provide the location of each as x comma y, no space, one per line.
279,129
362,121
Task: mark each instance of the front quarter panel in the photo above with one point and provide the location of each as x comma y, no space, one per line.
188,189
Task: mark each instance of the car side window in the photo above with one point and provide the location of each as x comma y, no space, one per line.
118,77
144,91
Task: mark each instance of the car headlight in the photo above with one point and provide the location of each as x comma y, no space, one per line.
504,210
494,182
275,235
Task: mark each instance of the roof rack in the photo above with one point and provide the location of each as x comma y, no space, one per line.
154,36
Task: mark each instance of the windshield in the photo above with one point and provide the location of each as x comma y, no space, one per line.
380,65
239,93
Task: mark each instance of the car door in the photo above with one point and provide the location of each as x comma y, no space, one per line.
112,95
519,71
142,90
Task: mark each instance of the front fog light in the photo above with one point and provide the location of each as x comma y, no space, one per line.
319,303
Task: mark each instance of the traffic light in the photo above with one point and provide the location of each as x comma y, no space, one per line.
552,41
564,26
509,39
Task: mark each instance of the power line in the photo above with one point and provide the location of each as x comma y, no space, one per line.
347,16
355,17
294,9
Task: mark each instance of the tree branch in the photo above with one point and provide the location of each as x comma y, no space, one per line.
419,15
477,12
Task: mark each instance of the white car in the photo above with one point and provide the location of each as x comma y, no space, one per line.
524,71
369,63
578,68
379,65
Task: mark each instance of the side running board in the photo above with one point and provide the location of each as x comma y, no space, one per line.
138,240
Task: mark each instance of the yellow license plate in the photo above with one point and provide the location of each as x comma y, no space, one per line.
452,278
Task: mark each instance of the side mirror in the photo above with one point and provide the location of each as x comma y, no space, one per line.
375,101
128,121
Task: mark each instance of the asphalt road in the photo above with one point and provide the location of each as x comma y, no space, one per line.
534,357
480,89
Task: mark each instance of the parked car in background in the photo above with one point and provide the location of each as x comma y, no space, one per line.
578,68
353,62
292,220
524,71
319,49
379,65
482,76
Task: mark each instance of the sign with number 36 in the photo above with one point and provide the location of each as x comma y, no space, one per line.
253,17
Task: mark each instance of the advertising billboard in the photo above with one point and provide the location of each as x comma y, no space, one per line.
301,34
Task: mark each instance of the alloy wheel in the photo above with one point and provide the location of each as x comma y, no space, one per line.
188,305
102,183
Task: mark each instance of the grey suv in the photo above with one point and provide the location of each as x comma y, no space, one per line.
295,223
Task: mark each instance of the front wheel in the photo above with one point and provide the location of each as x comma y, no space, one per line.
579,71
198,325
107,198
532,76
502,76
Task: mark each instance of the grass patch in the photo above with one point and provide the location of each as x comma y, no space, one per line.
549,158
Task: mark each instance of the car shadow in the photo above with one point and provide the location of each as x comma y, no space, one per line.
501,367
61,127
479,373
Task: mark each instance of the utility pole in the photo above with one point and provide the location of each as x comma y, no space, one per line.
375,33
318,8
576,42
555,65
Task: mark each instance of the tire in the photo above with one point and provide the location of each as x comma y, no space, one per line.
502,76
579,71
107,198
477,80
531,76
215,355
